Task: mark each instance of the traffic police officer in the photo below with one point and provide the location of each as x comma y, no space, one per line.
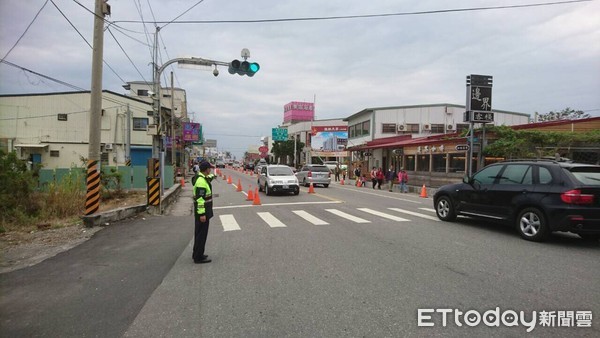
203,211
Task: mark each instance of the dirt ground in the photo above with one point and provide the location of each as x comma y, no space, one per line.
23,249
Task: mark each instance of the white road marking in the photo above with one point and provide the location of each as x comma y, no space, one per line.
431,218
310,218
428,209
271,220
384,215
229,223
347,216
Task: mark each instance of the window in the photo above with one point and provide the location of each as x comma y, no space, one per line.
516,174
423,162
140,123
487,175
142,92
437,128
359,129
457,163
366,128
62,117
150,112
388,128
54,153
410,163
412,128
545,176
104,158
439,163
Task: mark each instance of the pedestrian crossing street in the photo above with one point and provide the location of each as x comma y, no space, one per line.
230,223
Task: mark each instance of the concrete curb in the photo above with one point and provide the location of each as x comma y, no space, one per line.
115,215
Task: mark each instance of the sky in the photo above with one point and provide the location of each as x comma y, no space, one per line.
542,58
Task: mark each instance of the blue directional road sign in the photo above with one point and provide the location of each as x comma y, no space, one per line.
279,134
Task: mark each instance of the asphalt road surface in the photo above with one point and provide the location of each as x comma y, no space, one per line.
342,262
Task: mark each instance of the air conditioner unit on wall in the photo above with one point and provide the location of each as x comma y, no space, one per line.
108,146
450,127
401,127
426,127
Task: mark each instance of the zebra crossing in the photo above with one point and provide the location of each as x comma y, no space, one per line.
229,222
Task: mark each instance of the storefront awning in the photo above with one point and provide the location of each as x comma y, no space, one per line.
38,146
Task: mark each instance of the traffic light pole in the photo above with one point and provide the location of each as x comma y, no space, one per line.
157,144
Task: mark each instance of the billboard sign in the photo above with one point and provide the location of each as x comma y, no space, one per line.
329,141
191,132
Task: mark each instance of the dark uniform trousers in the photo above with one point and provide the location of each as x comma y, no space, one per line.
200,235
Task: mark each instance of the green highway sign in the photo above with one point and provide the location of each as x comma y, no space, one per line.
279,134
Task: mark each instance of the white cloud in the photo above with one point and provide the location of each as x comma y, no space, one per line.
542,58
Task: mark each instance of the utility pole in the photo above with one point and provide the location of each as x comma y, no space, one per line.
173,143
92,199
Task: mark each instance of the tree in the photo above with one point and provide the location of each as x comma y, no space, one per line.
286,148
565,114
510,143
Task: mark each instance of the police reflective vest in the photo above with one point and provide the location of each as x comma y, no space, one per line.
203,195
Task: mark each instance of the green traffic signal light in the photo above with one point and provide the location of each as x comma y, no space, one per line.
243,68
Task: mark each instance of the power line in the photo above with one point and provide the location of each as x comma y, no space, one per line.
124,52
26,29
42,75
84,39
364,16
180,15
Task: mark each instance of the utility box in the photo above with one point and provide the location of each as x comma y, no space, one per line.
152,129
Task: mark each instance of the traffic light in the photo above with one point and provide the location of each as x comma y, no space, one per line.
243,67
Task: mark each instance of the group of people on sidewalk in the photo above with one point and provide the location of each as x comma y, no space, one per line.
378,177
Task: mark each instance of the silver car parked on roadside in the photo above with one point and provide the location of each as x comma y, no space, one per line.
315,173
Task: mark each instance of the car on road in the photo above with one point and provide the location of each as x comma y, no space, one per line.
277,178
220,164
249,166
315,174
259,164
537,197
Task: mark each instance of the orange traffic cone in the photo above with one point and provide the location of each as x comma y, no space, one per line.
342,182
250,196
424,191
239,186
256,200
359,183
229,179
182,182
311,189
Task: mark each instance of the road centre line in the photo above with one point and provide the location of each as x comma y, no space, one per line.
416,214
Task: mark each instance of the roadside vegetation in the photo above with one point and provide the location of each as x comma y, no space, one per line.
25,206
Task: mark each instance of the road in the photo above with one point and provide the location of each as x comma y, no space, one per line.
342,262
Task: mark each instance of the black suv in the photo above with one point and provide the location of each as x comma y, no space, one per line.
536,196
